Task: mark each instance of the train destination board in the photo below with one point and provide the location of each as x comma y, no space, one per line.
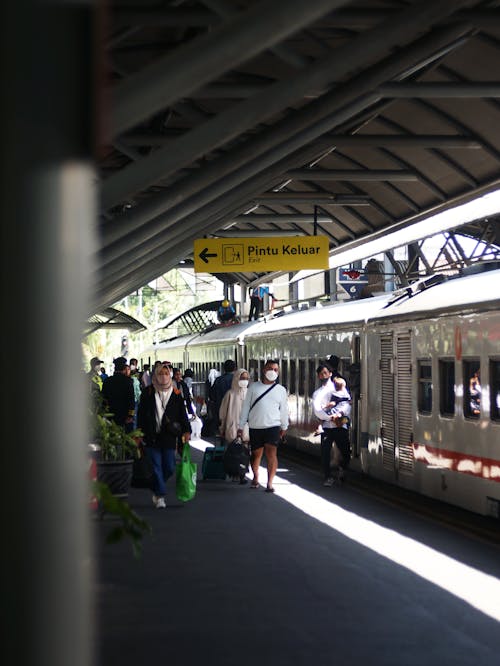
278,253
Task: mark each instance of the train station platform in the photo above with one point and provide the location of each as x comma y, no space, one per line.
308,575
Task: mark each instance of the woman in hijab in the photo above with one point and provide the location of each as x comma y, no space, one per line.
162,418
230,410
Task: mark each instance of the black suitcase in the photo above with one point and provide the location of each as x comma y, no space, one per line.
236,458
212,466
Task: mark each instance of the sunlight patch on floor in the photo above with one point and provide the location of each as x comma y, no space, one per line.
480,590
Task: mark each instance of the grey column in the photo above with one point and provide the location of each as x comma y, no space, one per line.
47,214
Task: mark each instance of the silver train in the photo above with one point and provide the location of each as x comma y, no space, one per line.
423,365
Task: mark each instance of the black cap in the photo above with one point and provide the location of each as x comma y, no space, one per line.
95,361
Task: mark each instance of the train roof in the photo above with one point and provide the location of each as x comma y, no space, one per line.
232,333
479,292
349,312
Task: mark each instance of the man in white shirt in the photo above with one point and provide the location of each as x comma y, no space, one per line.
265,409
332,405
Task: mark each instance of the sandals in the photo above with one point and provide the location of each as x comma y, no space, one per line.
269,489
254,485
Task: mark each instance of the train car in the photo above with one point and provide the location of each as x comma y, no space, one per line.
300,340
431,412
174,350
423,366
203,351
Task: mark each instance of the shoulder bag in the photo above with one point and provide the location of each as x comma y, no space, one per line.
260,397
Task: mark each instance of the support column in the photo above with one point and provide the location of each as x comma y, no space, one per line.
47,212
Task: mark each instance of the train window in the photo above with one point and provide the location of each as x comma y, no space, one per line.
472,388
253,369
312,376
284,372
447,387
302,376
495,389
424,386
293,376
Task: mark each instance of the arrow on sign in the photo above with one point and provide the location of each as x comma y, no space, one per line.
204,255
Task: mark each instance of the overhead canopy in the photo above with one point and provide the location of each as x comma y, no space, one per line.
231,117
112,318
194,320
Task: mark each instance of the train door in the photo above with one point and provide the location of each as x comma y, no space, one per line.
387,405
354,385
396,406
404,411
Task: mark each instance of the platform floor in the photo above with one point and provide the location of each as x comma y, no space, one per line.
309,575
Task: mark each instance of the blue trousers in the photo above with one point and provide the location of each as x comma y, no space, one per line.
163,461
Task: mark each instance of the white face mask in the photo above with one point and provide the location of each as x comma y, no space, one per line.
271,375
243,383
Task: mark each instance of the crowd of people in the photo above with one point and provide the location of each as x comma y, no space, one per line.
161,403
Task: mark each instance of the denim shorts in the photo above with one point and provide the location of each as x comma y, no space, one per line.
261,436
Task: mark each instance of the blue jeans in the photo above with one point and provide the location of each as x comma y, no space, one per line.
163,461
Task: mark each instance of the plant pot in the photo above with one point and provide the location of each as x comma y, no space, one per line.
117,474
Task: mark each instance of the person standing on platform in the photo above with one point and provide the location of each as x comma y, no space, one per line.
230,411
118,394
257,301
221,386
134,376
95,380
146,376
163,419
331,404
265,409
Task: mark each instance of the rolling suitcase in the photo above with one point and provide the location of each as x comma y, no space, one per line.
212,466
236,458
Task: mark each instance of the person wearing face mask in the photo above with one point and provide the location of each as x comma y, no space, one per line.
332,405
265,409
162,418
230,411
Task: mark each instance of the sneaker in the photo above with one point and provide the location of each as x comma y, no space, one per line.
155,500
160,504
328,482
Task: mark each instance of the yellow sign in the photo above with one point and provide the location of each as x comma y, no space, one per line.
257,255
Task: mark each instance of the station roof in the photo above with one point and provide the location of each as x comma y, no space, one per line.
238,117
113,318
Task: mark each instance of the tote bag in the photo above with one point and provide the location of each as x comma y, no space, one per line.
186,473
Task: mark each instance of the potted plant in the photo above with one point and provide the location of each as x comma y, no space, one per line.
115,450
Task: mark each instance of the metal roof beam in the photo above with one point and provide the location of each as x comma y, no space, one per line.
272,146
119,266
312,198
227,10
404,141
396,90
204,58
241,117
441,89
281,218
256,233
352,174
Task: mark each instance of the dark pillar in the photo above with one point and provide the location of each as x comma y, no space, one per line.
47,215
